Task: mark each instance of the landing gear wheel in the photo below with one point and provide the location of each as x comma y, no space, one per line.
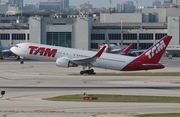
81,72
21,62
91,71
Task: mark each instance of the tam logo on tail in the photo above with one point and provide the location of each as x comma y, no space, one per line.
156,49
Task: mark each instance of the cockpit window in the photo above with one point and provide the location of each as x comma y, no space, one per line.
16,46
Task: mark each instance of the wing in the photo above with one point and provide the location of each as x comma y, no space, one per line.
5,51
88,60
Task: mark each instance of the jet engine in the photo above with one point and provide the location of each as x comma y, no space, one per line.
65,62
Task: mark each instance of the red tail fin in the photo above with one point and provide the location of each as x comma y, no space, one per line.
150,58
127,49
154,53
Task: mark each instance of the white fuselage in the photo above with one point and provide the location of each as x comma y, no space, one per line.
106,61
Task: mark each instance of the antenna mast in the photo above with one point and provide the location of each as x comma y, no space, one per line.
136,5
110,2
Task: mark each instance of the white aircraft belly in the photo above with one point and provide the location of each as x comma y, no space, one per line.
37,57
109,65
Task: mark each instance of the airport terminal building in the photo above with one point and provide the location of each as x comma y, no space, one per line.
87,32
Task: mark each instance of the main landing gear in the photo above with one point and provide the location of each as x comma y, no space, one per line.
89,71
21,61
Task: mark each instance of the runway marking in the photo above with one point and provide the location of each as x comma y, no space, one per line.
5,78
56,111
33,111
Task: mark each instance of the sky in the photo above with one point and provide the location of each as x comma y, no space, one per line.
100,3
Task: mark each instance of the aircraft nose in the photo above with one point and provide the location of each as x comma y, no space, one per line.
12,49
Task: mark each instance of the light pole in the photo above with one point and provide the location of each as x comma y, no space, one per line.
121,31
21,2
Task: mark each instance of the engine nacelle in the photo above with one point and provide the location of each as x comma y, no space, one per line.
65,62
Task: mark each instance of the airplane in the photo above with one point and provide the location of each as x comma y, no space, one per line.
114,49
70,57
5,51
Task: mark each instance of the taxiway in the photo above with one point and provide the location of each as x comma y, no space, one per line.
27,84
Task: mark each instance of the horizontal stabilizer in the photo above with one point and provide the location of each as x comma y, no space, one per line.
152,65
6,51
164,63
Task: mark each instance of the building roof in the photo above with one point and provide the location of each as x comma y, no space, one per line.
14,26
51,20
131,25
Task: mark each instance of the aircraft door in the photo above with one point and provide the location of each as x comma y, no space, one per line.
26,49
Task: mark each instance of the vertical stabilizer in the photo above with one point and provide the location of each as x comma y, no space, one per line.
150,58
155,52
127,49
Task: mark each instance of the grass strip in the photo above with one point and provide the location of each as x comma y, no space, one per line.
176,82
116,98
160,115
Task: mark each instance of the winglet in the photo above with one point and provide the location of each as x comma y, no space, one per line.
126,50
100,52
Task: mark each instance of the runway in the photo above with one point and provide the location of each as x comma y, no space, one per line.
27,84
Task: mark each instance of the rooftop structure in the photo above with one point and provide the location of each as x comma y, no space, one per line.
54,5
3,8
127,6
156,3
13,9
167,3
176,2
86,6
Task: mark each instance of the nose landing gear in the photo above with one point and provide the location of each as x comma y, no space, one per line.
21,61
